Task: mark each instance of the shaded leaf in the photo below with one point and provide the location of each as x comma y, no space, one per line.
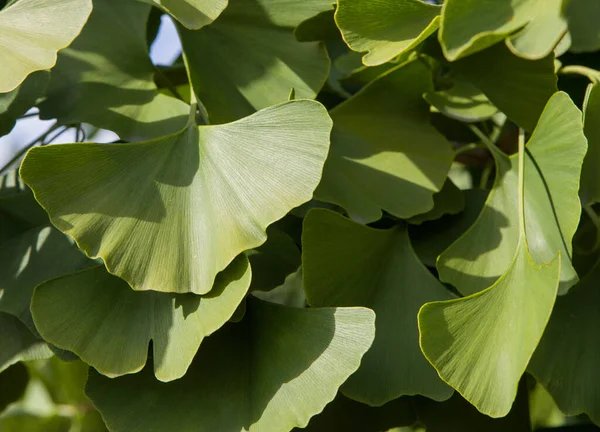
385,154
566,360
18,204
552,209
193,14
106,78
249,58
348,264
289,293
17,343
32,32
590,174
102,320
583,27
385,29
449,200
273,371
169,214
519,88
16,103
13,382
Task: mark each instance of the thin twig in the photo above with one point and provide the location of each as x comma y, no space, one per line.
24,150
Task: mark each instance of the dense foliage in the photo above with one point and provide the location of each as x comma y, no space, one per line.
362,216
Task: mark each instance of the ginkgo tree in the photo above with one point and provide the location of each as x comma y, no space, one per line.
356,215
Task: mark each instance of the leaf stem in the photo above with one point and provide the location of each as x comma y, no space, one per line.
26,148
467,148
521,183
591,74
483,137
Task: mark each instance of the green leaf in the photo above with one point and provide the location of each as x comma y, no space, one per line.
109,326
590,175
249,58
348,264
17,343
169,214
462,101
13,382
583,27
106,78
193,14
552,208
566,360
273,371
32,32
289,293
31,258
519,88
543,33
481,344
385,29
449,200
18,204
385,154
469,26
16,103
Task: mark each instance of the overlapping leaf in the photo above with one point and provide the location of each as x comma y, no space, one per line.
106,78
385,154
17,343
15,103
249,58
348,264
552,208
273,371
169,214
583,28
193,14
31,34
590,174
385,29
519,88
481,344
108,325
566,360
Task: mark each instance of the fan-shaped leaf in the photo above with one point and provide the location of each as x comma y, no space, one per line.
32,32
169,214
193,14
273,371
385,154
15,103
385,28
348,264
106,78
17,343
552,209
583,27
249,58
102,320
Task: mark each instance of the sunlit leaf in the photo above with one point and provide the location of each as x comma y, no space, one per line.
481,344
108,325
385,154
348,264
106,78
32,32
552,208
193,14
385,29
273,371
249,58
519,88
566,360
169,214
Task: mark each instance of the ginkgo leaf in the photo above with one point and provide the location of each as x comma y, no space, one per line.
169,214
349,264
385,154
469,26
108,325
590,174
273,371
543,33
15,103
583,27
31,34
385,29
31,258
520,88
13,383
566,360
463,101
553,161
17,343
193,14
481,344
106,78
449,200
249,58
